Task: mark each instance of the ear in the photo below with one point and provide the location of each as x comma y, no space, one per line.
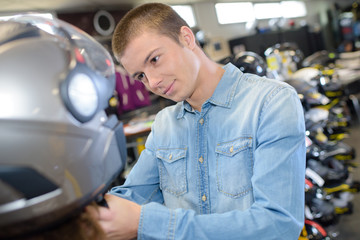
187,37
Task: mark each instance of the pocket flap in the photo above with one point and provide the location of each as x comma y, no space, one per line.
171,154
231,148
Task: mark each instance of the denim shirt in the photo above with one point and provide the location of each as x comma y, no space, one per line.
235,170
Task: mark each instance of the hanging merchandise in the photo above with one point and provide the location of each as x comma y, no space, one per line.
132,93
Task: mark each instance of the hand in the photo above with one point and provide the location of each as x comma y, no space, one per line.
120,220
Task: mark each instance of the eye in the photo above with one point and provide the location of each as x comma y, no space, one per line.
140,76
154,59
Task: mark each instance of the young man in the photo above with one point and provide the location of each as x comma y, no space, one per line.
226,162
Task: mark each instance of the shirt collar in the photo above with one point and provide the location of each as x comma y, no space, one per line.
224,92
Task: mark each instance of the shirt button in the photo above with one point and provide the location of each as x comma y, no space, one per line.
201,121
203,198
170,157
232,149
201,159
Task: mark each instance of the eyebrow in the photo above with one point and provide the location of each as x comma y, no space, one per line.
146,59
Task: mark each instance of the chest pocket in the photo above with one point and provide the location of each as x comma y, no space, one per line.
172,170
234,164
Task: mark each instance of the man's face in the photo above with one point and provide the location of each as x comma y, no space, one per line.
165,67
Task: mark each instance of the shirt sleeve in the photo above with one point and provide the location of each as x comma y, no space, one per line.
142,184
278,186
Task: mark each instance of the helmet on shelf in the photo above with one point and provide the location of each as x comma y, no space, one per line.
321,58
59,150
250,62
283,59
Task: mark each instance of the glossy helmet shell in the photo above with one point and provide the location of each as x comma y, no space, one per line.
53,161
250,62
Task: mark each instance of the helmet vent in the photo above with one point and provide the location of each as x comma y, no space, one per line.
26,181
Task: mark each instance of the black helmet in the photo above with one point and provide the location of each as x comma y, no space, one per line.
58,149
250,62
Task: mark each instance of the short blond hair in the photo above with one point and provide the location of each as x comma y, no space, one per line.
158,17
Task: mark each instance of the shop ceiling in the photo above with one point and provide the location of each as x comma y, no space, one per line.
16,6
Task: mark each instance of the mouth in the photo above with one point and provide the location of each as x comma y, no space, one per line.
169,89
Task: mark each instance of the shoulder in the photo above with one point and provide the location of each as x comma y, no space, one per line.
171,110
168,122
259,92
264,86
168,114
253,79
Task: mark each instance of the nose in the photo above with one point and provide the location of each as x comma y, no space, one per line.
153,78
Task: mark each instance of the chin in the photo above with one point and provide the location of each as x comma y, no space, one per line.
174,98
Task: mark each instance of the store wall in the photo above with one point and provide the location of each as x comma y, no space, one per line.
85,20
222,34
207,20
317,20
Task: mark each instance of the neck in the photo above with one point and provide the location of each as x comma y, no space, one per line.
210,74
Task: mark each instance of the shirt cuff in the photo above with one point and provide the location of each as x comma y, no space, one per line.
156,222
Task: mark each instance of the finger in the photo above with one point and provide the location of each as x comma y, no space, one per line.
106,226
92,211
104,214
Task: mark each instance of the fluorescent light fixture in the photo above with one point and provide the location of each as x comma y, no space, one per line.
236,12
187,13
286,9
293,9
267,10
